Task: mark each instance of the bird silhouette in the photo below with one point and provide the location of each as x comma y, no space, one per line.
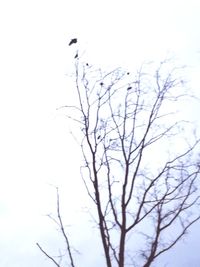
76,56
73,41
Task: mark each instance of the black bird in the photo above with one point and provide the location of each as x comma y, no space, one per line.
76,56
73,41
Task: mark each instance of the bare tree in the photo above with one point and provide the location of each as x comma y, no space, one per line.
139,169
68,251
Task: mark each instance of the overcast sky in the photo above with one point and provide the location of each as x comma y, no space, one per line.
35,147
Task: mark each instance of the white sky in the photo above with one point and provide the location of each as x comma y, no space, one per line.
35,148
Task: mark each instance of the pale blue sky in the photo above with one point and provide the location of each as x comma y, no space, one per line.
34,58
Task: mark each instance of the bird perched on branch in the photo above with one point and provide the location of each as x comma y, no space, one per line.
76,56
73,41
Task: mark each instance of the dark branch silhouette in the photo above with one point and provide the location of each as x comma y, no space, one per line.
59,222
140,181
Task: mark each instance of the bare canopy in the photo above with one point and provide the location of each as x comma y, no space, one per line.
139,170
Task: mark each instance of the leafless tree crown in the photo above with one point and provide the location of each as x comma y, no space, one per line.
138,169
